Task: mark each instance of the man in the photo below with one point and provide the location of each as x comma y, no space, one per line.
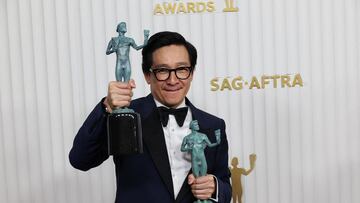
121,45
162,173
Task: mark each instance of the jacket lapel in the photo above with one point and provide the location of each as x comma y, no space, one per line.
154,140
185,191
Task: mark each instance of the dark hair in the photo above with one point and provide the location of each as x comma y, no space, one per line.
162,39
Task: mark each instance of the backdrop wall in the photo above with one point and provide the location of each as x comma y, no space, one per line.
284,74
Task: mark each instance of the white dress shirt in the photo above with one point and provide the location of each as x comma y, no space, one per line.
180,162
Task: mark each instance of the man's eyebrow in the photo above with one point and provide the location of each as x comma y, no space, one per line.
182,63
161,66
167,66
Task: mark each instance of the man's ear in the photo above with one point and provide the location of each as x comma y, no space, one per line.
147,77
191,76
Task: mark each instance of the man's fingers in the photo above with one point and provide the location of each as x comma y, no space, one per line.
118,100
120,94
116,84
202,194
191,179
205,179
202,187
132,83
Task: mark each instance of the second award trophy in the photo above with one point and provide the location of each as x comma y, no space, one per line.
124,124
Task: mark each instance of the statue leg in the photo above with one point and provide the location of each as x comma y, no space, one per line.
123,74
127,72
197,173
234,196
203,168
118,72
196,170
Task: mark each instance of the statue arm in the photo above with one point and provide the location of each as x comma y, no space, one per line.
246,172
135,46
146,36
217,135
209,144
252,158
110,48
185,145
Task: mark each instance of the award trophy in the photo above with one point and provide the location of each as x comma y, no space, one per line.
124,124
195,143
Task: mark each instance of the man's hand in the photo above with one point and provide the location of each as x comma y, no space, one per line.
119,95
202,187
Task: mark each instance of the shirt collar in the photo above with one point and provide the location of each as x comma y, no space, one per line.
158,104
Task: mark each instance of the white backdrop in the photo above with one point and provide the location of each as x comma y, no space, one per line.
307,137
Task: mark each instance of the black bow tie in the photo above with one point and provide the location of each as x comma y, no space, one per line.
180,115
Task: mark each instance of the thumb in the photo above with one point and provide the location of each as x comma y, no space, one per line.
132,83
191,179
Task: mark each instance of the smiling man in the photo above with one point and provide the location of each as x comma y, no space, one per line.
162,173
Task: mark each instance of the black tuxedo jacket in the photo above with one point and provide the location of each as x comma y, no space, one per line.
147,177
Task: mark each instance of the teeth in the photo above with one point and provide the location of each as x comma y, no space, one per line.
172,89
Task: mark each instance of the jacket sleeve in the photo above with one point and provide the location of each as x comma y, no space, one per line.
90,144
221,171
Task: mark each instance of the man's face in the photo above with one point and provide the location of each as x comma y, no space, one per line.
172,91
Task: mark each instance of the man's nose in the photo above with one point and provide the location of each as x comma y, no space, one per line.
172,78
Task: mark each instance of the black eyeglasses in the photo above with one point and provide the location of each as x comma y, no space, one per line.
162,74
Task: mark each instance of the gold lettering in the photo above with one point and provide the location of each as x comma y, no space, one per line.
210,6
191,7
285,79
264,81
225,84
214,85
254,83
297,80
169,7
275,78
158,9
181,8
200,7
237,83
229,6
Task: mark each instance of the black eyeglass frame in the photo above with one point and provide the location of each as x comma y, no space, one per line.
156,70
